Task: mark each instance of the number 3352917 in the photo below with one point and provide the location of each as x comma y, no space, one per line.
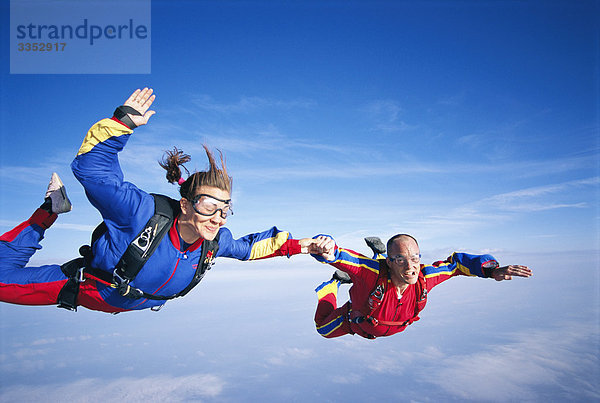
41,46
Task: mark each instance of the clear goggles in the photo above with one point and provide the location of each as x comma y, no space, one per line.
402,260
208,205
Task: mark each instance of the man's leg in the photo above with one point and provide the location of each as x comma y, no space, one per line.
330,320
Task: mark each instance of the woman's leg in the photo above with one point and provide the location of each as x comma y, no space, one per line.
32,285
28,285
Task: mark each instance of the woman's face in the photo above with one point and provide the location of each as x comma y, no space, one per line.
207,217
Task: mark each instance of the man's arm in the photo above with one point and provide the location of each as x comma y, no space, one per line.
487,266
471,265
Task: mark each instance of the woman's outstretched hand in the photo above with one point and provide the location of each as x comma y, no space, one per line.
141,100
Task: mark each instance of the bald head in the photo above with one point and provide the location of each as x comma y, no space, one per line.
396,240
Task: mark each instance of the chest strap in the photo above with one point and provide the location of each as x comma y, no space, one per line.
125,289
376,298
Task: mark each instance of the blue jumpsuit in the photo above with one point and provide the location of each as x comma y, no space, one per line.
125,209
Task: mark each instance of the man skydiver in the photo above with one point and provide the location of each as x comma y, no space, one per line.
389,292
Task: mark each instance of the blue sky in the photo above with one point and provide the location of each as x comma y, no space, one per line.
472,125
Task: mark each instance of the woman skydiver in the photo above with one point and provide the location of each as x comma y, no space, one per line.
102,280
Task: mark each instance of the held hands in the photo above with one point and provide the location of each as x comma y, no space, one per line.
506,272
141,100
321,245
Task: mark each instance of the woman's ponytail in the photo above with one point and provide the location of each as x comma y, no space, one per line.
171,161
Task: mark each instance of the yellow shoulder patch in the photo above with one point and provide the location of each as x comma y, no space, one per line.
268,246
102,131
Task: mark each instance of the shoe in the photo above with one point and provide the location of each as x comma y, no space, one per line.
376,245
342,277
57,195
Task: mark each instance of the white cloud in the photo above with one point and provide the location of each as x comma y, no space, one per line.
544,190
533,207
505,206
454,99
519,200
41,342
75,227
160,388
534,360
347,379
23,353
290,354
36,174
472,140
385,114
247,104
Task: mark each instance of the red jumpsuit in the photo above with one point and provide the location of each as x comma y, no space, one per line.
364,272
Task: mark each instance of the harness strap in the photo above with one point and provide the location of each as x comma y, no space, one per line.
376,298
207,258
209,251
359,318
77,271
393,323
132,261
356,318
67,297
146,242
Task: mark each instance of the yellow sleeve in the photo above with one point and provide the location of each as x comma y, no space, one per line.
102,131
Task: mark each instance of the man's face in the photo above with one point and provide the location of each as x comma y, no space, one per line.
404,261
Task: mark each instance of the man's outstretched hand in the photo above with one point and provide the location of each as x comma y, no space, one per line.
141,100
507,272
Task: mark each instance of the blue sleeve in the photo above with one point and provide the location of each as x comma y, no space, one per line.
472,265
458,264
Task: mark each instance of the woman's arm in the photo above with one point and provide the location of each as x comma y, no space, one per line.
260,245
97,166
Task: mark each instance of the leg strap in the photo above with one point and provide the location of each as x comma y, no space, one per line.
67,298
